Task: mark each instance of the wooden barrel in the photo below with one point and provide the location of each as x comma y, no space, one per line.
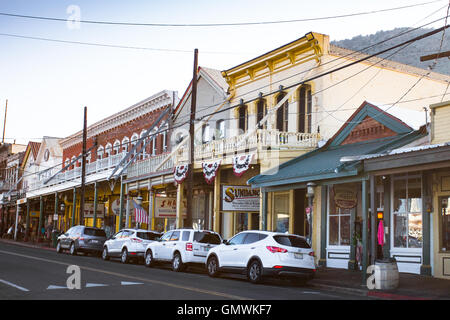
387,276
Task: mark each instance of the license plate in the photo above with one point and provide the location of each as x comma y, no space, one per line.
94,241
298,255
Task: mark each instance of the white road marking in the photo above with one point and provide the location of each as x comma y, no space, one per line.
125,283
52,287
13,285
90,285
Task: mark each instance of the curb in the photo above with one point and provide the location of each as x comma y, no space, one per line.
340,289
23,244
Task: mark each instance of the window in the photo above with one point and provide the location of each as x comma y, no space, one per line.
207,237
281,212
261,112
282,114
185,235
153,136
220,130
292,241
125,142
175,236
147,235
304,109
94,232
243,118
134,139
116,147
237,239
143,154
164,138
343,199
444,221
206,133
407,211
100,152
251,238
166,236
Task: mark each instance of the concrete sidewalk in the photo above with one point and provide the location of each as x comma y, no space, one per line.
411,286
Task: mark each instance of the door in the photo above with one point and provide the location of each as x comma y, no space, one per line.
158,247
65,240
169,246
113,246
246,250
228,256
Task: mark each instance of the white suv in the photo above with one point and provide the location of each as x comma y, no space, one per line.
182,247
263,253
128,244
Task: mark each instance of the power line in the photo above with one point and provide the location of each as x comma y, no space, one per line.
228,24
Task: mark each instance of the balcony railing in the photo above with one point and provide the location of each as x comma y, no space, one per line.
261,140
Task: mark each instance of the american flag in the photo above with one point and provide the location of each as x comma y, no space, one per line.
140,213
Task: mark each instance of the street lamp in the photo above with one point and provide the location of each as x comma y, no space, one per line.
309,212
62,208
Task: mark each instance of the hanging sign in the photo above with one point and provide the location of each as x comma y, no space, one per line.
89,210
166,207
345,197
210,170
180,173
240,198
241,164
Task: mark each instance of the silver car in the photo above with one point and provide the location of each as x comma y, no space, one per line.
81,239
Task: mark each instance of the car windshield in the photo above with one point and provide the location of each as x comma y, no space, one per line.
147,235
94,232
292,241
207,237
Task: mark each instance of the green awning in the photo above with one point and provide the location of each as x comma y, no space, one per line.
325,162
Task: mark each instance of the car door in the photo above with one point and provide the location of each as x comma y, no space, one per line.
113,247
169,246
227,256
65,239
246,250
126,235
157,247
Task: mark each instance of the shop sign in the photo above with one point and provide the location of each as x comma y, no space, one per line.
240,198
166,207
22,201
89,210
345,197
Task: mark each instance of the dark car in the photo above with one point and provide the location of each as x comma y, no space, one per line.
82,239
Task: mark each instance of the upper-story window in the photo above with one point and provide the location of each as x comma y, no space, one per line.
206,133
125,142
282,114
243,118
134,139
143,153
153,136
116,147
304,109
164,134
220,130
73,162
261,112
100,152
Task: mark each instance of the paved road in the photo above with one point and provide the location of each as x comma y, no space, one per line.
31,273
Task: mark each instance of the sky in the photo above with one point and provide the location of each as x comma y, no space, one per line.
47,84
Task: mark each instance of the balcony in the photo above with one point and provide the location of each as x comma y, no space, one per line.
282,145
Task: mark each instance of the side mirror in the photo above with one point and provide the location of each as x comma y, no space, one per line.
225,241
111,238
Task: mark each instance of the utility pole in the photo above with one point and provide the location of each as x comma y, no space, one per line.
190,174
4,122
83,168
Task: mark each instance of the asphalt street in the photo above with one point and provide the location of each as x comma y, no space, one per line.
38,274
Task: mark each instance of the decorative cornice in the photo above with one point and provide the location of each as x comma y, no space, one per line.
140,109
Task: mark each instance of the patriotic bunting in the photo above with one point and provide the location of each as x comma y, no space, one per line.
180,173
241,164
210,170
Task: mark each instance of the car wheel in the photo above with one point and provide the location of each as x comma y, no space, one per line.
72,249
105,255
58,247
149,259
124,256
177,263
213,267
254,272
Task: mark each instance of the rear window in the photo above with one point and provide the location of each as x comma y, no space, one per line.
147,235
94,232
292,241
207,237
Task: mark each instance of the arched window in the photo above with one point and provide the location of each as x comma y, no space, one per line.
143,154
134,139
125,142
282,114
304,109
153,136
243,118
261,112
164,133
73,162
108,150
206,133
116,147
100,152
220,130
79,161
